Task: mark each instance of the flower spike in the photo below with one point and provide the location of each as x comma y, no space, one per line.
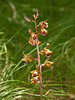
34,40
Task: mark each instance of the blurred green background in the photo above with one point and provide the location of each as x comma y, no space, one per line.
59,82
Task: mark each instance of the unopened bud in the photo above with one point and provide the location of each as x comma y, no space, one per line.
47,45
37,13
28,19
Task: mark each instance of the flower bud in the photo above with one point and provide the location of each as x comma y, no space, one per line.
28,19
47,45
32,82
37,13
34,15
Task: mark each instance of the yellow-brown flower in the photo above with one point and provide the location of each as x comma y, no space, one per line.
47,45
34,73
47,63
43,24
27,58
45,50
32,39
35,80
44,31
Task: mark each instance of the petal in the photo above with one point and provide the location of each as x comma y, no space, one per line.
38,32
31,32
42,52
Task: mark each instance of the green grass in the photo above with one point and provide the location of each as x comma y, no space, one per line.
59,82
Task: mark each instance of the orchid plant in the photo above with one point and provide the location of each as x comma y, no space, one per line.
34,40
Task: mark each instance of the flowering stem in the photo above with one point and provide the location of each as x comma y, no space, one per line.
39,61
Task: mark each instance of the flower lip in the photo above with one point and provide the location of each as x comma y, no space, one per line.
44,33
34,75
47,26
34,38
48,54
25,62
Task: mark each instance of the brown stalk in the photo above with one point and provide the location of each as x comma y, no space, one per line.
39,62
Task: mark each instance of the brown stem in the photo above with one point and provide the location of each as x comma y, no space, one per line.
39,62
